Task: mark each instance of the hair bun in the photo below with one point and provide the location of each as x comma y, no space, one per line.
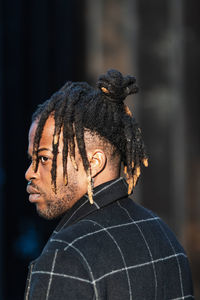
115,86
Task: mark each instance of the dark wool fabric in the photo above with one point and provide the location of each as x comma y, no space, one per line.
114,249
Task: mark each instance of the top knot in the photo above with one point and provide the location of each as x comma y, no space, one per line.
117,87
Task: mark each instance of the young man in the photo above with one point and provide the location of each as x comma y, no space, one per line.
105,246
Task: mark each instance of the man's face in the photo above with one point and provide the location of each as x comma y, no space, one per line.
50,205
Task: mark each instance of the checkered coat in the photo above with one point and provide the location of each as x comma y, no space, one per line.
114,249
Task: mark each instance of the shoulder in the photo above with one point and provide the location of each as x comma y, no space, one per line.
123,225
122,241
121,220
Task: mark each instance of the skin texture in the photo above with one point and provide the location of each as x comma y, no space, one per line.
48,204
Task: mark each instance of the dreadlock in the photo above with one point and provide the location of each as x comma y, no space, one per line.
77,107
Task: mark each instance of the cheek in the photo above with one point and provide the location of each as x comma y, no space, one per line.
76,178
44,178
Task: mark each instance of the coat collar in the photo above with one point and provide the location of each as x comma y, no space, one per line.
104,194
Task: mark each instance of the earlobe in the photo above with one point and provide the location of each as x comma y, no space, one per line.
98,162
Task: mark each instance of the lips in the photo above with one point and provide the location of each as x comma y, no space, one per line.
34,194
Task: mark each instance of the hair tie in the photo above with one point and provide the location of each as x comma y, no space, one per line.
104,90
116,87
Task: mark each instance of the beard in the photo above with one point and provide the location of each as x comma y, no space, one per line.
54,209
56,205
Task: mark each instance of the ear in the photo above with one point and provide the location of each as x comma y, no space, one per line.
98,160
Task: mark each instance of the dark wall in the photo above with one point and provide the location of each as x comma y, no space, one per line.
192,76
42,46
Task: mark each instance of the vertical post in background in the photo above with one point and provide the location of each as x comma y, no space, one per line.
161,71
120,47
1,164
112,38
94,46
131,35
178,126
153,57
112,43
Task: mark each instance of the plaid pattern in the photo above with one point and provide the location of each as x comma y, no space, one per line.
114,249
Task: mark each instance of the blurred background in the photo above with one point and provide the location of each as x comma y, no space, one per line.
43,43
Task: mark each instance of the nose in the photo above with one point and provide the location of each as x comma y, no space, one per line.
30,173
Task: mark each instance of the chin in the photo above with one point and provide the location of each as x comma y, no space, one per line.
49,215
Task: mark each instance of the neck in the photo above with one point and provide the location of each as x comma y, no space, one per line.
106,176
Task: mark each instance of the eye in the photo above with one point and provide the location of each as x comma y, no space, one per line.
43,159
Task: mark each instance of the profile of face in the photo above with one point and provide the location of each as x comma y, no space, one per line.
48,203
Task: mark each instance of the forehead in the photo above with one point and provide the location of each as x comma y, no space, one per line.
47,134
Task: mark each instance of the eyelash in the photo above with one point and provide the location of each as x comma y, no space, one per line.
45,159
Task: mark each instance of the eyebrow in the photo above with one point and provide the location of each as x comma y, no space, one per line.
39,150
44,149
